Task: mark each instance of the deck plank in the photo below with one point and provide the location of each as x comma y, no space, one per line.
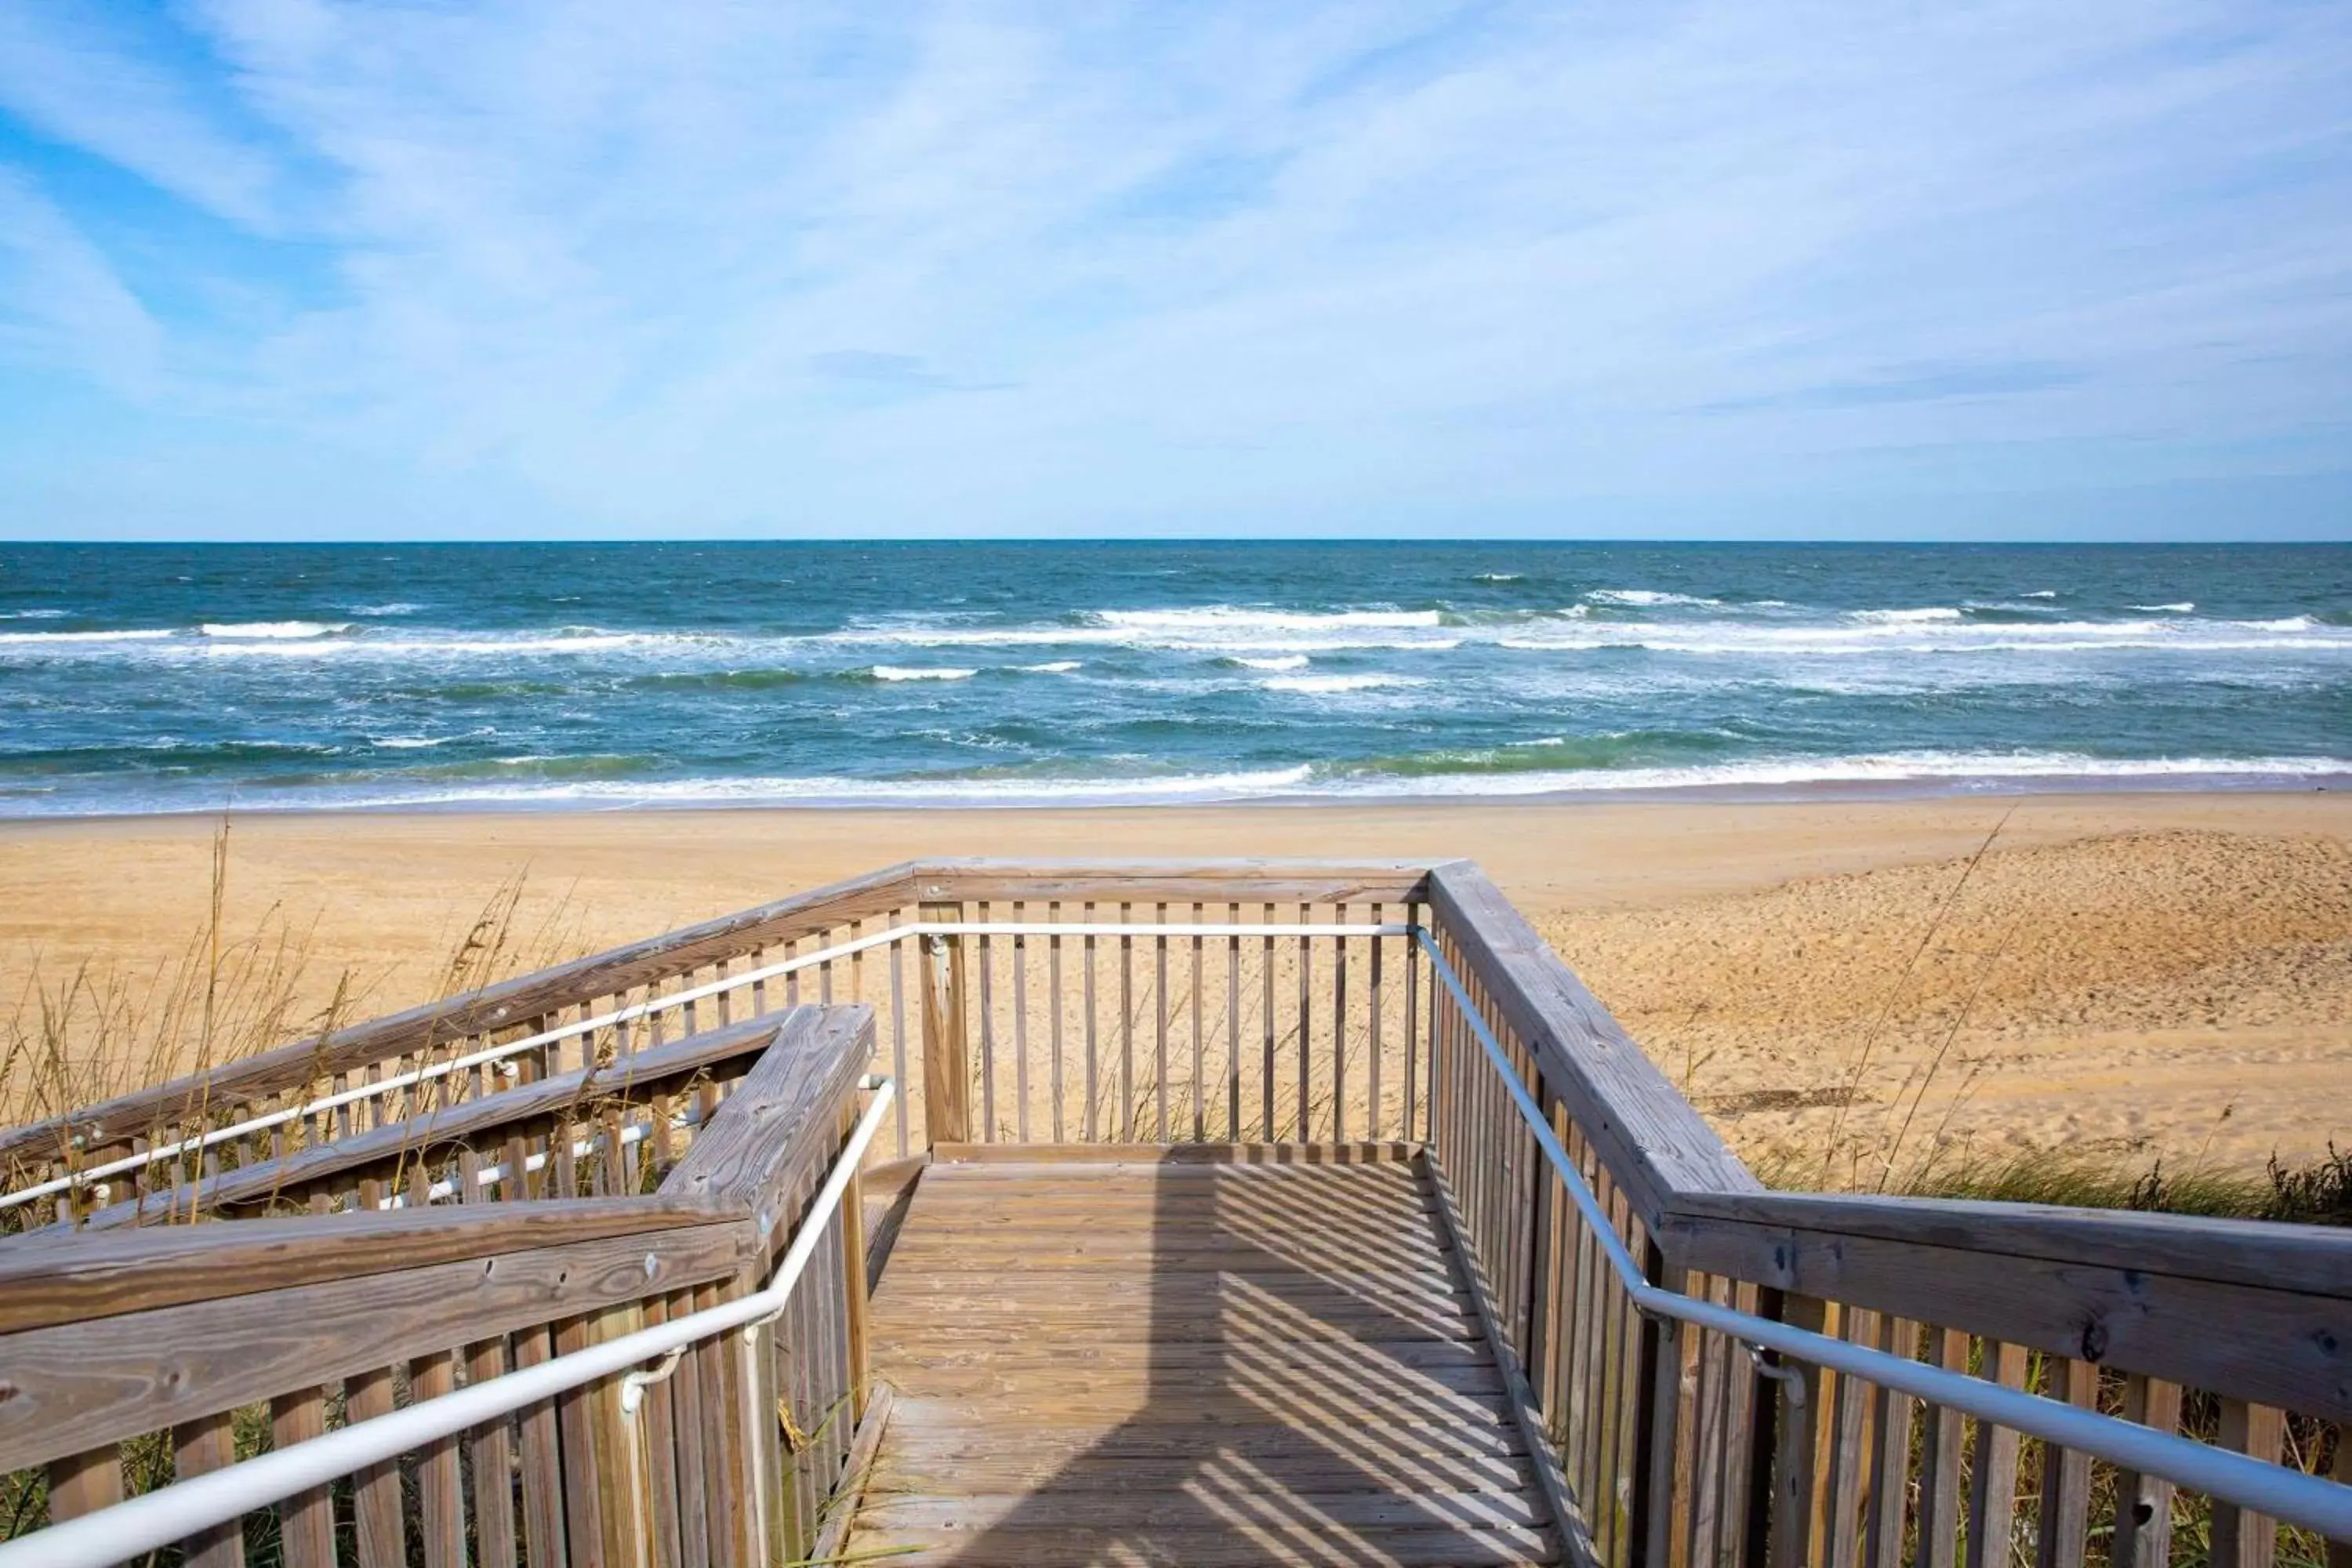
1209,1363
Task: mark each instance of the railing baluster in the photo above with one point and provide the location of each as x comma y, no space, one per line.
1199,1084
1266,978
1094,1073
1992,1479
1160,1025
898,1041
1233,1027
2143,1536
1374,1122
1891,1417
1339,1029
987,1034
1126,1028
1053,987
1020,1023
1306,1026
306,1520
2241,1538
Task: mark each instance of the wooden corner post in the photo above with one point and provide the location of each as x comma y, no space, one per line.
947,1057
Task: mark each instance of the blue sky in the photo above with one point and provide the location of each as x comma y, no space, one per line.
277,269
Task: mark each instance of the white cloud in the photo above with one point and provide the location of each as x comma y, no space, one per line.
1238,255
68,77
61,302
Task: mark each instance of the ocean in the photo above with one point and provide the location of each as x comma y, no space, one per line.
174,678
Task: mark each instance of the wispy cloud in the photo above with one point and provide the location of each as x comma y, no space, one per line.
719,265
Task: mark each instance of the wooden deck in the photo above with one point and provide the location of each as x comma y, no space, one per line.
1104,1361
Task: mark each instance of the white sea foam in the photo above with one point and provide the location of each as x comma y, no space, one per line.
409,743
273,629
1234,617
894,672
1058,666
1331,685
390,609
1643,598
1284,661
2186,606
1498,577
1908,617
40,639
2044,594
33,614
1766,775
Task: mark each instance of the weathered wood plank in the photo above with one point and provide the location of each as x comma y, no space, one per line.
77,1384
779,1120
61,1279
588,1090
1654,1142
2287,1348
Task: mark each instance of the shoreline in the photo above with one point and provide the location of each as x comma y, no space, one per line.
2015,788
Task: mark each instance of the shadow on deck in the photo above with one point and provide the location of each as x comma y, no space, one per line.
1198,1362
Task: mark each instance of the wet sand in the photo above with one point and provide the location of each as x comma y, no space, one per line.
2127,975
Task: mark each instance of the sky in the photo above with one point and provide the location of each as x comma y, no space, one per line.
1717,268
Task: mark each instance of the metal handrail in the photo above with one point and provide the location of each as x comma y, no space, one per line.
2278,1491
174,1512
77,1180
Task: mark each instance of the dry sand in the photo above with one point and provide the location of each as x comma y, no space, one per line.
2132,975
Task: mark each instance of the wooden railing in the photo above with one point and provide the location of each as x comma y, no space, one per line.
148,1353
1317,1002
1677,1447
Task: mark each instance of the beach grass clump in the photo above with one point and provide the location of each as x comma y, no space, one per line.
2317,1193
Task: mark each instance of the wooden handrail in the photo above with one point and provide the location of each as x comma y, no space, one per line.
60,1278
1655,1144
462,1123
501,1005
2261,1311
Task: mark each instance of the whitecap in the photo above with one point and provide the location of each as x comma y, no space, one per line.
894,672
1498,577
1643,598
33,614
1285,661
1328,685
1233,618
2044,594
395,608
2186,606
1908,617
273,629
36,640
1058,666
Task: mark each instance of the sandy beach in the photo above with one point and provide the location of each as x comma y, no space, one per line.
2132,976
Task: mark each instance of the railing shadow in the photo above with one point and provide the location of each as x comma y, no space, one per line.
1307,1383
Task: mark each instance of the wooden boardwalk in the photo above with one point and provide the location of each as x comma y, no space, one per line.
1103,1362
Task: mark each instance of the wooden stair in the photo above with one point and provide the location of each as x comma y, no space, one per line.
1204,1363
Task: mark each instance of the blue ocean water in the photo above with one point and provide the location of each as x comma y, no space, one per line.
169,678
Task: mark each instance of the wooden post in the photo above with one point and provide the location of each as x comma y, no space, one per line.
947,1057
